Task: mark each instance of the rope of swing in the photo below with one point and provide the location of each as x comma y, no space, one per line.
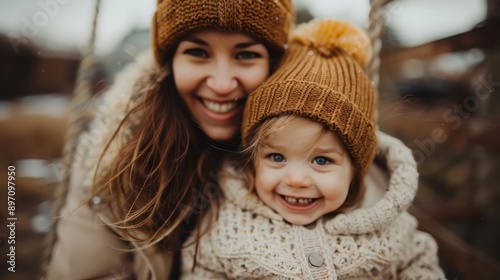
376,23
78,121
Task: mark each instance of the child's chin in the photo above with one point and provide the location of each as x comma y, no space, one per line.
300,221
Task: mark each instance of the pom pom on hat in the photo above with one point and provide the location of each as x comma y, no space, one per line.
328,35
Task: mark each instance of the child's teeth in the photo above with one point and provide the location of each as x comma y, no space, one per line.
303,201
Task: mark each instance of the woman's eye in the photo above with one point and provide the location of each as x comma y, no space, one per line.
247,55
197,53
321,161
277,157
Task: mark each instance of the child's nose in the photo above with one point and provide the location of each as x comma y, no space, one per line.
298,177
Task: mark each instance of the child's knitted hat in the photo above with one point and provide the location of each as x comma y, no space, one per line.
268,21
322,78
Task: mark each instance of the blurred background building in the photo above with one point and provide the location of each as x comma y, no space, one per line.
439,93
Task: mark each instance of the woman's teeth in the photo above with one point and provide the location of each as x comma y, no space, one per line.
302,201
220,108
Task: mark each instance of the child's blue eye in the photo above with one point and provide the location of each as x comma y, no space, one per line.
321,161
277,157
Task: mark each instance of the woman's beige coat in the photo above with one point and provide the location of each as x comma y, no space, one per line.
86,247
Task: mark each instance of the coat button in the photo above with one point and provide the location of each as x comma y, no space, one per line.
315,259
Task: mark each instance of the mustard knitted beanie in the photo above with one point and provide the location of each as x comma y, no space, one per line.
322,78
268,21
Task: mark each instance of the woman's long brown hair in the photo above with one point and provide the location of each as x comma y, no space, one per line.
156,184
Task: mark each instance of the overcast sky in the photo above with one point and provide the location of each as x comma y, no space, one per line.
67,23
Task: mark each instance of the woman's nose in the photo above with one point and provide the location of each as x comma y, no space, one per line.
298,177
222,79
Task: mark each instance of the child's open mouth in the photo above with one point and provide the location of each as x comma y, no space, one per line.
298,203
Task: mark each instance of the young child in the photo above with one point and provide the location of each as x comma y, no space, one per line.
305,212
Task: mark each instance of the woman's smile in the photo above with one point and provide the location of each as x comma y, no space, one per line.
222,107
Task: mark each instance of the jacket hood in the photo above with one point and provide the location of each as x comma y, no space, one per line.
400,192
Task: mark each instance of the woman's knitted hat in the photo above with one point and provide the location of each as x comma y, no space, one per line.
268,21
322,78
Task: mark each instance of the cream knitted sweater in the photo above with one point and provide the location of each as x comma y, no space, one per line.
378,241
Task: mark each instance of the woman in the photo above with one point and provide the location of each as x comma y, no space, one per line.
145,168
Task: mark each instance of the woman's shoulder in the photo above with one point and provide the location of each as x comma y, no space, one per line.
110,108
127,82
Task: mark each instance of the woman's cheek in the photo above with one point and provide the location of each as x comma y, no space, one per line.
186,75
255,78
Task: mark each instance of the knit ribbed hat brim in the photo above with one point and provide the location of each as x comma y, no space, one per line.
266,21
320,104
